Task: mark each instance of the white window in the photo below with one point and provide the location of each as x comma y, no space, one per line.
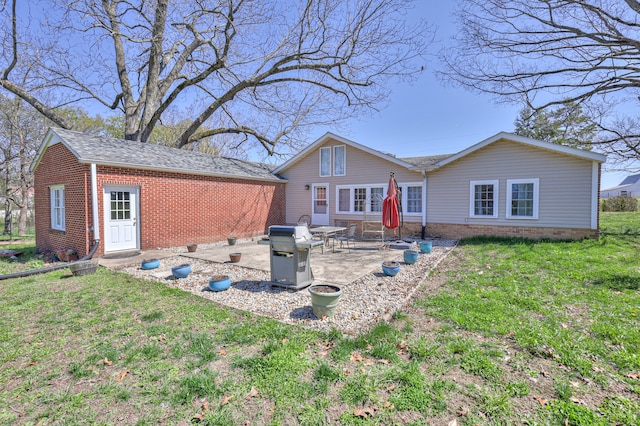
368,199
344,200
339,160
377,198
522,198
483,198
57,207
359,199
325,161
414,199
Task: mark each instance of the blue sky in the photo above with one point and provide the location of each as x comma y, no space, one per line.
426,118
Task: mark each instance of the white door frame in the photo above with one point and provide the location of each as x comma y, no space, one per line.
121,234
317,216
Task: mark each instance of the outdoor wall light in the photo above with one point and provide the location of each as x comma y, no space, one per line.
306,187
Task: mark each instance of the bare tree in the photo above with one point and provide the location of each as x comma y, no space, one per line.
21,131
260,70
550,52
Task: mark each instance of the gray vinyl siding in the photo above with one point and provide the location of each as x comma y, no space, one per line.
564,192
361,168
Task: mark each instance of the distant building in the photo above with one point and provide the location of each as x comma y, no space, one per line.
629,187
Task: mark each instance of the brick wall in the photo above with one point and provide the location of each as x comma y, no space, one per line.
175,209
60,167
445,230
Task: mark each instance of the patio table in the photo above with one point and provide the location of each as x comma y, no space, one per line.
325,232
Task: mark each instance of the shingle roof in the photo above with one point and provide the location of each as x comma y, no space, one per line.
629,180
138,155
426,161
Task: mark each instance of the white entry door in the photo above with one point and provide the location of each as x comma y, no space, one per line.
320,206
121,218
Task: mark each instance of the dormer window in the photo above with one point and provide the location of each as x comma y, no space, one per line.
337,167
325,161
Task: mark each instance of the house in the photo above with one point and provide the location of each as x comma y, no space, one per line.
506,185
136,196
629,187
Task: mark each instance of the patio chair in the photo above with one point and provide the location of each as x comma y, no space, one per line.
349,235
305,219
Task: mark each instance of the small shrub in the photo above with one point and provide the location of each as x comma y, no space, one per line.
619,204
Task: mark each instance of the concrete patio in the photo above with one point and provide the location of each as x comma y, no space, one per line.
339,266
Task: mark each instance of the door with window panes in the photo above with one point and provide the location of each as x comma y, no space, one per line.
121,216
320,204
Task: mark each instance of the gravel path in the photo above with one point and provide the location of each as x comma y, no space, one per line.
363,303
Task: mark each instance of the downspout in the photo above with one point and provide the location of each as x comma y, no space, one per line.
94,202
424,202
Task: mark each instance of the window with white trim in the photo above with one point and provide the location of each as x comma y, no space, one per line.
339,160
325,161
483,198
57,207
369,199
359,199
344,200
377,197
414,199
522,198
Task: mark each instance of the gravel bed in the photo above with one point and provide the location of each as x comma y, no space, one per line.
363,303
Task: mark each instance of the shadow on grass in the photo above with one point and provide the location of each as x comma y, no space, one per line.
619,282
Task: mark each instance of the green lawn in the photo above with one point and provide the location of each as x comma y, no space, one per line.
503,332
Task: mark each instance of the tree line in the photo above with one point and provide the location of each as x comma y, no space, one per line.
239,75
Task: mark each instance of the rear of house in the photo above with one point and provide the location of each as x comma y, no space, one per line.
136,196
336,181
506,185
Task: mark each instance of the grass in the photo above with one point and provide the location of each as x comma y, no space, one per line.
503,332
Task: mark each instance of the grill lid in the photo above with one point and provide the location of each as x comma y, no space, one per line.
295,232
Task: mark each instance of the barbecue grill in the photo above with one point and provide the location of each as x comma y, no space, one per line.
290,259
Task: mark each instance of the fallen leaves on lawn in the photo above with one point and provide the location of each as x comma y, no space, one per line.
105,361
198,417
462,411
364,412
634,375
357,357
226,399
253,393
122,375
541,400
222,352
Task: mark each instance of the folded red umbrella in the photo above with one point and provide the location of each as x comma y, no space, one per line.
390,214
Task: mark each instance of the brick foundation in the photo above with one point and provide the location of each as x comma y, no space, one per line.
444,230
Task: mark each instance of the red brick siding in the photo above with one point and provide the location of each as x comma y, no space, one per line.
177,209
60,167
